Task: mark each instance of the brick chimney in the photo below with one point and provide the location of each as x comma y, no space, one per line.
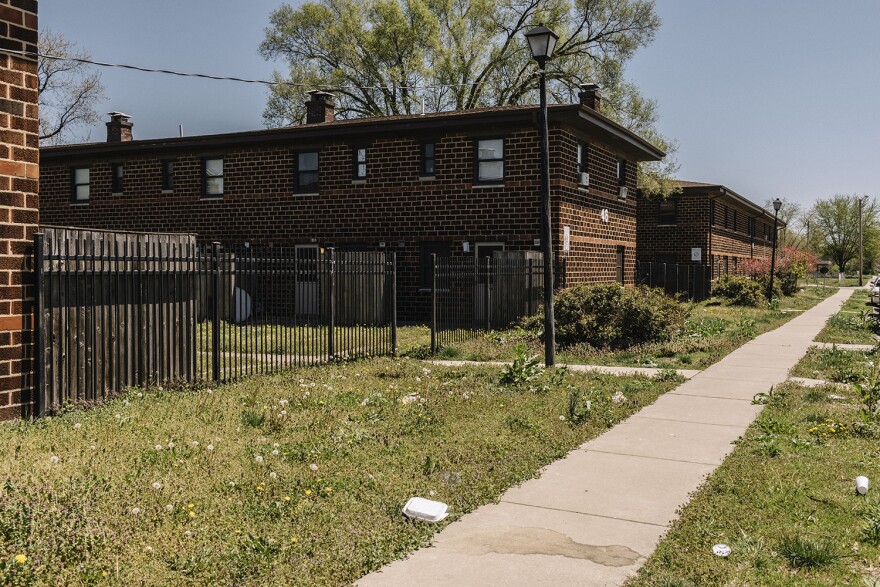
119,128
320,107
590,96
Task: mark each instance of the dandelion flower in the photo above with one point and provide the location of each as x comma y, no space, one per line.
276,445
117,416
158,447
283,402
232,483
190,505
20,559
286,498
77,426
275,451
157,486
308,491
170,445
258,458
192,514
283,412
54,460
105,574
195,443
313,467
148,548
294,539
188,534
562,417
210,447
169,507
273,474
135,511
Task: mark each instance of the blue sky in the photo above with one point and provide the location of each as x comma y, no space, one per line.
771,99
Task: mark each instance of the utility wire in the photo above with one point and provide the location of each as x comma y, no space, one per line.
32,54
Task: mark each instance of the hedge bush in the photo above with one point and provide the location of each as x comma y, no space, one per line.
611,316
739,289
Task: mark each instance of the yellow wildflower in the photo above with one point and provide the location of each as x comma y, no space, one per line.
286,498
190,505
294,539
20,559
192,514
308,491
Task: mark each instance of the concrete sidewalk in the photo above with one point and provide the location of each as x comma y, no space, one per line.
593,517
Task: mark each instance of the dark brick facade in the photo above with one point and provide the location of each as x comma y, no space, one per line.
725,226
396,205
19,178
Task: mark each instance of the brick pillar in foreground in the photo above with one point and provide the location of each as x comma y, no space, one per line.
19,206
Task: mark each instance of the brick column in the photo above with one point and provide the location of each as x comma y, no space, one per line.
19,204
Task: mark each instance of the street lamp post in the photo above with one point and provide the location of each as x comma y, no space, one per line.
862,201
777,204
542,41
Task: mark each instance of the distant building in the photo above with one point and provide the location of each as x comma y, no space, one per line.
706,224
451,183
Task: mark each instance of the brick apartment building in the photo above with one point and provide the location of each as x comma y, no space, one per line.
706,224
452,183
19,177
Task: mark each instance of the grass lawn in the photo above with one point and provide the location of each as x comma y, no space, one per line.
854,324
784,501
713,330
833,364
291,479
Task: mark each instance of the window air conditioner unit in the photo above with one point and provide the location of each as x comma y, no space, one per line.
584,178
621,194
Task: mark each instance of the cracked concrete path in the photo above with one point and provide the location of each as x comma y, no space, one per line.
593,517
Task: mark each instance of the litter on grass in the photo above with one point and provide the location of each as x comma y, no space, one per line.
721,550
419,508
862,484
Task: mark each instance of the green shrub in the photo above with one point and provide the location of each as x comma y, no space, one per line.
739,289
611,316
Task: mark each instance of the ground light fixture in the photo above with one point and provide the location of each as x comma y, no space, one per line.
777,205
542,41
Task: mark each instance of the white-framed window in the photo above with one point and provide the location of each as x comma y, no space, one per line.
212,177
489,161
80,178
359,162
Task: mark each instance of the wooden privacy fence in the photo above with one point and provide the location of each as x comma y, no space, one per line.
115,310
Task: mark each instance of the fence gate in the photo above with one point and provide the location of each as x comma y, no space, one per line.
693,280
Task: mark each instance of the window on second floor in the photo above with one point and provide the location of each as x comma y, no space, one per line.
212,177
117,173
668,211
307,172
583,164
167,175
490,161
80,183
359,156
621,172
427,159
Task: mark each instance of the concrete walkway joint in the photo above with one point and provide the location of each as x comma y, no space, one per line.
593,517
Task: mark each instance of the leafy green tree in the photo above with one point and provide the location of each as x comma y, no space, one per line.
834,225
392,57
791,213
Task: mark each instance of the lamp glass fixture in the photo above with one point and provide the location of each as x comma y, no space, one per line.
542,42
777,204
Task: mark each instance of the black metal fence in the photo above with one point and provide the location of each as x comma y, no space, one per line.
472,295
116,314
693,281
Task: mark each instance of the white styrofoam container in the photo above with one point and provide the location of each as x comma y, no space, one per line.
419,508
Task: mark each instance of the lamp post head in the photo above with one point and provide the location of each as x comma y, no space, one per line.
542,41
777,204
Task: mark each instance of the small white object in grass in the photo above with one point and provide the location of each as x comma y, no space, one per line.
195,443
721,550
275,451
169,508
275,445
562,417
135,511
313,467
157,486
54,460
862,484
273,474
170,445
77,426
158,447
419,508
618,398
259,458
210,447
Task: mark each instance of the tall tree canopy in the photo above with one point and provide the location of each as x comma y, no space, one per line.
834,228
389,57
69,89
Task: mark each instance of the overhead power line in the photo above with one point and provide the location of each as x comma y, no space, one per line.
32,54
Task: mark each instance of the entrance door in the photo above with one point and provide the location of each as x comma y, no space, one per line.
484,279
306,298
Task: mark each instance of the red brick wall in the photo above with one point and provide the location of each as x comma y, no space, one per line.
725,243
395,205
19,176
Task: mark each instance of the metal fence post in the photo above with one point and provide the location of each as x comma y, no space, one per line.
394,304
39,358
487,295
331,335
215,319
433,303
531,306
